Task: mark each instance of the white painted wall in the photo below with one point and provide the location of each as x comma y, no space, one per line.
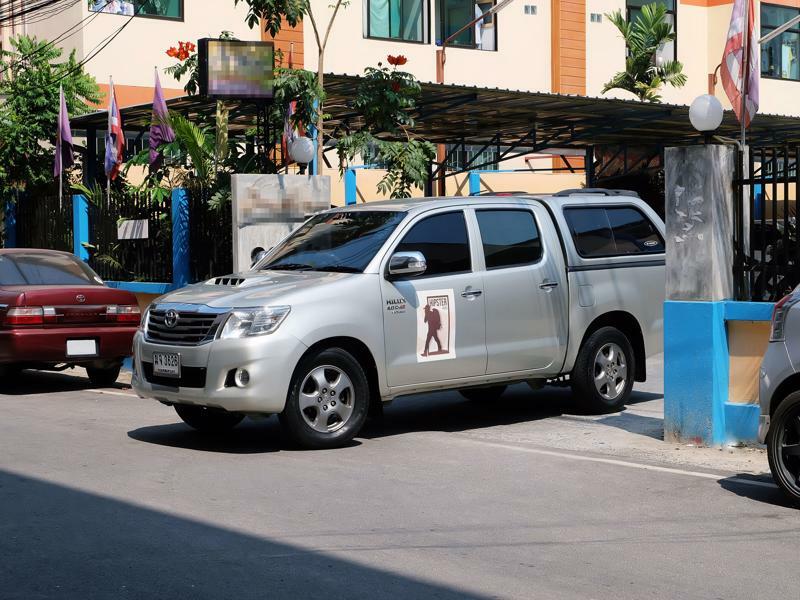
522,60
131,56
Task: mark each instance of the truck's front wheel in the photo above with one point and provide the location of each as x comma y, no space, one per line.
328,400
602,378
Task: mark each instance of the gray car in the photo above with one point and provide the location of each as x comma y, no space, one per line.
779,395
363,304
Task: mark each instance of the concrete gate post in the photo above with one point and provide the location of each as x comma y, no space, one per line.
699,278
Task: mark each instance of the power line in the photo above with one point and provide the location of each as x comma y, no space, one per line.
32,8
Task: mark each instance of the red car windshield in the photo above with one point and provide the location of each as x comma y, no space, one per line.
39,268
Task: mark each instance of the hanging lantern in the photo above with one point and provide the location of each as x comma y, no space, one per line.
301,150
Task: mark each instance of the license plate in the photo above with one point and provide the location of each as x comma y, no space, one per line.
81,348
166,364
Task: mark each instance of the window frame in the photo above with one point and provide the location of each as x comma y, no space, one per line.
440,30
673,12
509,209
605,207
180,19
771,28
426,26
401,235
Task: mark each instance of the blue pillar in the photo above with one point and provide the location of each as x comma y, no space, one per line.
180,238
474,183
313,166
11,224
80,226
350,190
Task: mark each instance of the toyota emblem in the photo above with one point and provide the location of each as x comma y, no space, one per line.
171,319
80,298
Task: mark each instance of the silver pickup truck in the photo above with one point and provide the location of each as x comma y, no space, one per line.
363,304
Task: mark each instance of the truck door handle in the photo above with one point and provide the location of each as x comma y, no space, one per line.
548,285
471,293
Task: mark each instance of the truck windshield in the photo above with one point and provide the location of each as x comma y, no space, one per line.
40,268
343,241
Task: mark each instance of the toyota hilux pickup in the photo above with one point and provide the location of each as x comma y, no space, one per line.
362,304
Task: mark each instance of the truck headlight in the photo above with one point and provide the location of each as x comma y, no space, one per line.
248,322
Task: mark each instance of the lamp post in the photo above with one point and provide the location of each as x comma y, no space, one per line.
705,114
441,58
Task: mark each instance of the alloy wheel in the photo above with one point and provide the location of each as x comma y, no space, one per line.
610,371
326,399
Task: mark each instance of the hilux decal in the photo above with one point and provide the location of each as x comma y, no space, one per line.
396,306
436,325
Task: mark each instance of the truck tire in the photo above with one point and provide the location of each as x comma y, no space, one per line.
783,446
484,394
328,400
602,378
208,420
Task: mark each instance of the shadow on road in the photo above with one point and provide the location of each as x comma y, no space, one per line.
247,438
66,543
28,383
449,411
768,493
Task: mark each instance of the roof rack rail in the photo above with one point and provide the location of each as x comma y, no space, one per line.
602,191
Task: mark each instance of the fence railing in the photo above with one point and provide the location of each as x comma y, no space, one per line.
766,248
43,222
146,259
210,236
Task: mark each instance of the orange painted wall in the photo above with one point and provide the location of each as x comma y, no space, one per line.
569,47
283,43
131,95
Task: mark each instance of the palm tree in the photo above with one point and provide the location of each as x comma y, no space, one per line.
645,73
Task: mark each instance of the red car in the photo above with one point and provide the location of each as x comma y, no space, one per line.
55,312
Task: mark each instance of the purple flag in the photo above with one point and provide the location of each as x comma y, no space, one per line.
64,157
160,130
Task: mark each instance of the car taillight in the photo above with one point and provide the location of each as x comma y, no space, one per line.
777,333
123,314
25,315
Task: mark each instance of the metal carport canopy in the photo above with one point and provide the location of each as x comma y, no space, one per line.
471,115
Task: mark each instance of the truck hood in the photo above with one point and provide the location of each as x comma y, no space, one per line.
253,288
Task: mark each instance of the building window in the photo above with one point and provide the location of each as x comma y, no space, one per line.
462,158
162,9
633,10
452,15
403,20
779,56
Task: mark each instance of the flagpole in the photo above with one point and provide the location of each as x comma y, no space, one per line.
745,71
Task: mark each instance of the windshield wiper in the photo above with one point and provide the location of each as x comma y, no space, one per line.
338,269
287,267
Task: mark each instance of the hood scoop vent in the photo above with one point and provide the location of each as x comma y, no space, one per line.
228,281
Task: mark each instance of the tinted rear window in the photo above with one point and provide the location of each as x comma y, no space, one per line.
612,231
37,268
510,238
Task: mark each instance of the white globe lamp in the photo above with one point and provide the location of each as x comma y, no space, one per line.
301,150
705,113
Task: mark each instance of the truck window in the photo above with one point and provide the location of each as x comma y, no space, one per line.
612,231
633,232
444,241
510,238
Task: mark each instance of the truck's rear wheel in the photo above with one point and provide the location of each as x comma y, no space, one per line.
602,378
208,420
328,400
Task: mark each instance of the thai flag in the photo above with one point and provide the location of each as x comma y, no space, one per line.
115,138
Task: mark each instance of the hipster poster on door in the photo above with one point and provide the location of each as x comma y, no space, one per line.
436,325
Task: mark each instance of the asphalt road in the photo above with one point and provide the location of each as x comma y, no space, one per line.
103,495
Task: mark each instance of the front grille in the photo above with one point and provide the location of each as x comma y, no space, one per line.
192,328
191,377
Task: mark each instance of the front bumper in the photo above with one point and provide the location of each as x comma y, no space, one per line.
270,360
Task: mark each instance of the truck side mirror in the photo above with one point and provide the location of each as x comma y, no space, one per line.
407,264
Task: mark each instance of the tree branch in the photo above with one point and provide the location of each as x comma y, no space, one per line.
314,25
330,23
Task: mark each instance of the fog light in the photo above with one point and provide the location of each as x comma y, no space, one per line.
242,378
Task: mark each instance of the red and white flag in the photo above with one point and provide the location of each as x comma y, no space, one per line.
735,69
115,138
